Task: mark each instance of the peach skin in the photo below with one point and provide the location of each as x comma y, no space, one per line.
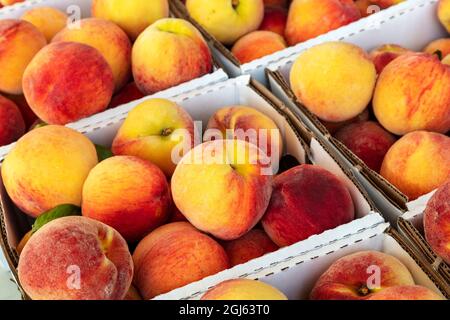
308,19
169,52
246,123
68,81
48,20
155,130
439,45
19,43
173,256
418,163
227,20
322,76
443,12
243,289
406,293
127,193
128,94
28,115
275,20
348,278
133,16
257,44
436,222
111,41
47,167
76,258
323,204
413,93
12,125
236,184
384,54
253,245
368,140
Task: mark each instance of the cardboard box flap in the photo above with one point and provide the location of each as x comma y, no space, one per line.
285,257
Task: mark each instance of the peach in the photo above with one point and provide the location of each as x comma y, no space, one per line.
323,204
413,93
76,258
446,60
322,77
12,125
175,255
418,163
128,94
369,7
439,45
348,278
243,289
406,293
68,81
157,130
436,222
246,123
47,167
444,13
133,16
19,43
169,52
111,41
254,244
308,19
334,127
368,140
275,20
235,184
28,115
132,294
127,193
10,2
257,44
48,20
384,54
276,3
383,4
227,20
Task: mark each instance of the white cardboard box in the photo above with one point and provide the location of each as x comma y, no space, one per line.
411,24
256,68
82,9
202,104
296,273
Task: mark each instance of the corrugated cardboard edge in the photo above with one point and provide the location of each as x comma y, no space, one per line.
390,192
419,243
438,279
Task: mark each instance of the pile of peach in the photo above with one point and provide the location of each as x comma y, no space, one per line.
59,71
346,279
185,209
391,107
256,28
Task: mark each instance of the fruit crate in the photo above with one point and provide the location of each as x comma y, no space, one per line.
411,24
256,68
296,269
80,9
411,226
201,104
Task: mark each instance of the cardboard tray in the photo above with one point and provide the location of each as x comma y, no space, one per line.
410,225
82,9
257,67
295,275
412,24
202,104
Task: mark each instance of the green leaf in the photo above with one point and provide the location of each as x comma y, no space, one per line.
63,210
103,153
